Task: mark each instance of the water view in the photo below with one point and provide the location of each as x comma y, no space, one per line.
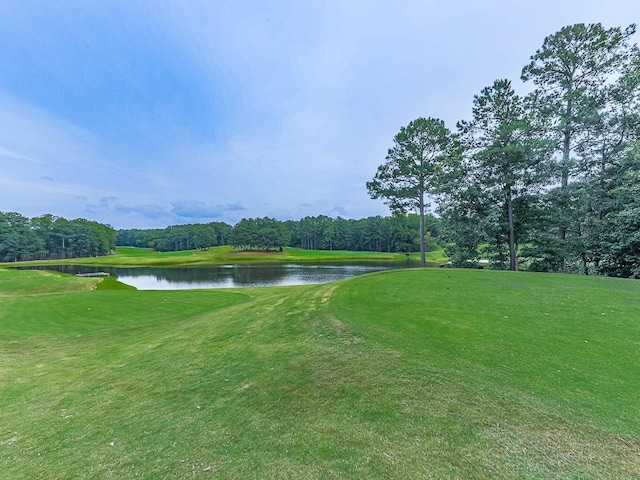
225,276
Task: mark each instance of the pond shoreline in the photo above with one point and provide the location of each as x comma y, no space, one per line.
227,276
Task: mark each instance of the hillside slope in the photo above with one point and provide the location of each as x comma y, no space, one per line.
403,374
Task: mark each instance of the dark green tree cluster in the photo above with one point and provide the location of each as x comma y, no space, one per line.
177,237
397,233
259,234
548,181
51,237
586,97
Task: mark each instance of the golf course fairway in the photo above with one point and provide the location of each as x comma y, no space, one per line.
407,374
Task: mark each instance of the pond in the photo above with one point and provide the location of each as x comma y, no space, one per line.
257,275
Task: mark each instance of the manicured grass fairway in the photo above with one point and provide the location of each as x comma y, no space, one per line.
138,257
403,374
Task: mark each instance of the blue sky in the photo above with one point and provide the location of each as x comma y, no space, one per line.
144,114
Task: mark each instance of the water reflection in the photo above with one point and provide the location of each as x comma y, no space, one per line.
177,278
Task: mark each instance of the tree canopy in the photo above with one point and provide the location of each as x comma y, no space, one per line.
411,169
50,237
544,181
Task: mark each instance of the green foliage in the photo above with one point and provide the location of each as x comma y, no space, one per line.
412,165
569,70
397,233
574,214
586,97
412,168
621,237
504,162
259,234
49,237
177,237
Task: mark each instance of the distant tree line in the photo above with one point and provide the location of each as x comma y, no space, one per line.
397,233
50,237
177,237
549,181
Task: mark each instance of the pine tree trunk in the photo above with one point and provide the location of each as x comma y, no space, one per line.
513,259
423,260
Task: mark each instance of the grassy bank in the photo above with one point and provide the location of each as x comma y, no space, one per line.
131,257
405,374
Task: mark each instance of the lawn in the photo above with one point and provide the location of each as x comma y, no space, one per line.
132,257
424,373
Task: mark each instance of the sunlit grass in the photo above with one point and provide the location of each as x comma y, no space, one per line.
405,374
131,256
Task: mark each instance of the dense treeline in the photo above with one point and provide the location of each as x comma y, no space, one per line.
259,233
177,237
548,181
552,178
398,233
50,237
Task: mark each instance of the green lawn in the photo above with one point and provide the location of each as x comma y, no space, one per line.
131,257
424,373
